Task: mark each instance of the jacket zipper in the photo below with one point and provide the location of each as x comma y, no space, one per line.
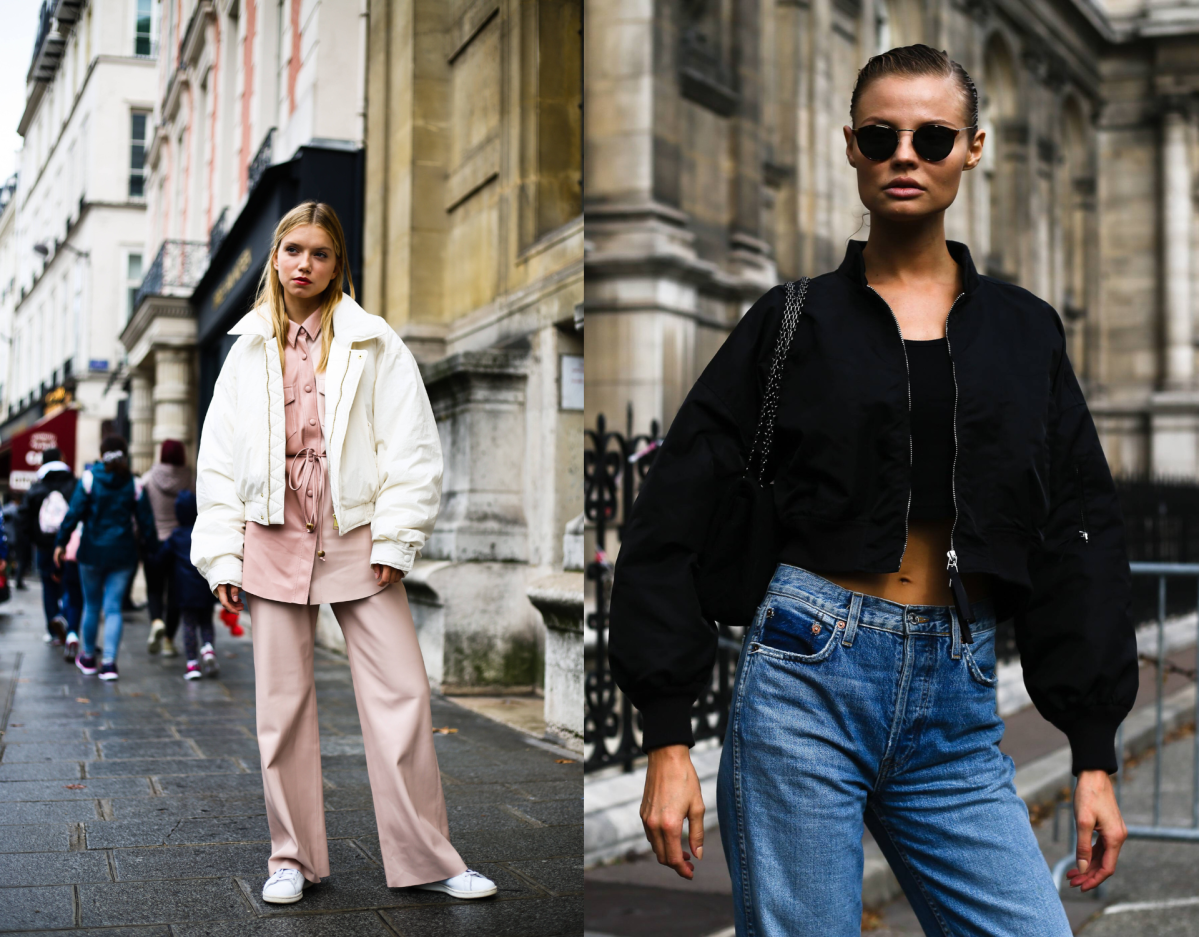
266,368
907,370
960,599
1082,505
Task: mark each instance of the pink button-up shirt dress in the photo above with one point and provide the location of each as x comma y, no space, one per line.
305,560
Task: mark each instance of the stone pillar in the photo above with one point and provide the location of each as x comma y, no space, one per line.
173,402
1174,410
468,591
1176,210
141,445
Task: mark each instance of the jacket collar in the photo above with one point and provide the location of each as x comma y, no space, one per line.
351,323
47,467
854,267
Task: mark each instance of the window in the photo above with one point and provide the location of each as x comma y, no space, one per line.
133,282
137,156
141,36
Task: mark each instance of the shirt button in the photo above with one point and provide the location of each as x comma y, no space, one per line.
307,388
303,357
311,422
309,492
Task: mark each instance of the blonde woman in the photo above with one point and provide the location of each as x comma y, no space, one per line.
318,480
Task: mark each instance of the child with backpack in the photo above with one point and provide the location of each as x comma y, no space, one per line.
194,597
40,516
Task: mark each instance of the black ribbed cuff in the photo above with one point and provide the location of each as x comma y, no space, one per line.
1093,745
666,720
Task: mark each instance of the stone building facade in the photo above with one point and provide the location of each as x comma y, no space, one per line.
473,250
75,225
253,99
715,167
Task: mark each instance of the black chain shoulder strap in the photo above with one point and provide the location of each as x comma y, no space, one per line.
797,290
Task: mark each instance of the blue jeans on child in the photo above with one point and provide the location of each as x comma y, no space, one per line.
51,590
103,589
847,708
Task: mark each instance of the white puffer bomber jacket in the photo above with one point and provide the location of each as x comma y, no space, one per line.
381,443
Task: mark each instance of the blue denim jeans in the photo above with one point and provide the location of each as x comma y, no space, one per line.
103,589
849,708
51,590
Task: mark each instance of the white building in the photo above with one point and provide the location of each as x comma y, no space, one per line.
78,239
258,105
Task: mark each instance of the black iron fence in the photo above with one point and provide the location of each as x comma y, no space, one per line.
614,465
1161,519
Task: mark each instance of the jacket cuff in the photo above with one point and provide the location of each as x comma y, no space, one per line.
1093,745
224,571
666,721
401,556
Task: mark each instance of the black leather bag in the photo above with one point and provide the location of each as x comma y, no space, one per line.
744,540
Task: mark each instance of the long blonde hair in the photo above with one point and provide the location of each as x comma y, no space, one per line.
270,288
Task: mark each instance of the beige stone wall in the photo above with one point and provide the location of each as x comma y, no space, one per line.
1070,201
473,251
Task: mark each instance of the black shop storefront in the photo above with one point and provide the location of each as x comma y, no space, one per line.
227,290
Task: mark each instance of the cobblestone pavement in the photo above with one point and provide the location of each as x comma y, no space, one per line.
136,808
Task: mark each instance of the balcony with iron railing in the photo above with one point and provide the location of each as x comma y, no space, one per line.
176,270
261,161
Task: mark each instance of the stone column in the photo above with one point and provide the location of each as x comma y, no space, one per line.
1176,230
173,402
141,446
1174,410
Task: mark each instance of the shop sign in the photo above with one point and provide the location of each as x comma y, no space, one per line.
57,431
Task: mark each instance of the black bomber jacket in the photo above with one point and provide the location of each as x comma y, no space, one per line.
1035,506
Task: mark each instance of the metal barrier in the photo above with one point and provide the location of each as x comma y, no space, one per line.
1155,830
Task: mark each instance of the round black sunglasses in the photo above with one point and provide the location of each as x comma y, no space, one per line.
932,142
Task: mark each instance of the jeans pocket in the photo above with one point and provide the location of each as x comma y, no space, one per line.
984,673
792,630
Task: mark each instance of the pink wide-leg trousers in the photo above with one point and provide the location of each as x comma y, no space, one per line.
392,692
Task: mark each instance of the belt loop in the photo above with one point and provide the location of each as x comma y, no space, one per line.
851,623
956,631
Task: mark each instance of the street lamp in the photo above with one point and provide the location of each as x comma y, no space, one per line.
41,248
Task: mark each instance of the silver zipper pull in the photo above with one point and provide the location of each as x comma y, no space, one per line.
1086,538
953,560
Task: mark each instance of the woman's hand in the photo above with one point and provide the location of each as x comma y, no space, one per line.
671,794
386,574
58,554
1095,809
230,597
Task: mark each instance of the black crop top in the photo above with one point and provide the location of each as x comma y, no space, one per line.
930,373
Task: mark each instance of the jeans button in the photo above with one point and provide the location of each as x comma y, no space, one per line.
815,629
840,624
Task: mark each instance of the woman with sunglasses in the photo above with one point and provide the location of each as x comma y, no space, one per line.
935,469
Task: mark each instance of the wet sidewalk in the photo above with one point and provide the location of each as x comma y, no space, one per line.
138,805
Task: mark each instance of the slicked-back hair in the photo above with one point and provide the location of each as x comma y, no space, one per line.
912,61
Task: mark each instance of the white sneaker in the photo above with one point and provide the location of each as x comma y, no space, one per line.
285,887
470,884
158,630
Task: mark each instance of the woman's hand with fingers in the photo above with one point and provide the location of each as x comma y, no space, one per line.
386,574
230,596
672,795
1096,811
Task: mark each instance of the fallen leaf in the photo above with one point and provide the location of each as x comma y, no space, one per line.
15,725
75,787
82,699
445,730
133,694
564,761
230,654
92,712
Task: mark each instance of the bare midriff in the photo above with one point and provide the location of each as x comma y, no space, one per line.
922,578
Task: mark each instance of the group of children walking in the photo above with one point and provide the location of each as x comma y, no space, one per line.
91,533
